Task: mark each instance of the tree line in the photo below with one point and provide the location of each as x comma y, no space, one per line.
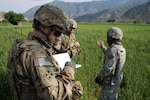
13,17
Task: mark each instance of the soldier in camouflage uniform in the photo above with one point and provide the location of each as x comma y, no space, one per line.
111,73
33,72
68,42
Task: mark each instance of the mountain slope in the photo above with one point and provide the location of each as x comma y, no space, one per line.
30,12
101,16
94,10
141,13
112,13
78,9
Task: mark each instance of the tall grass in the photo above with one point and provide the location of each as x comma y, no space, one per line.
136,40
135,85
7,36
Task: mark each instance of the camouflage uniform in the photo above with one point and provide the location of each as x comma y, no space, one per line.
111,73
35,75
66,44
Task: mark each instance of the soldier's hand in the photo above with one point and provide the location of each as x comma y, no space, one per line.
100,43
76,44
77,91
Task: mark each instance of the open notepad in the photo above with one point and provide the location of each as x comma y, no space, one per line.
62,58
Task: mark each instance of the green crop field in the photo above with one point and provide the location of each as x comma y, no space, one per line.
136,82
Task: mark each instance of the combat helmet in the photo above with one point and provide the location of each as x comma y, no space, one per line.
115,33
72,23
51,15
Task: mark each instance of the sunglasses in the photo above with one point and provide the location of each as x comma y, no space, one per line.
72,28
57,33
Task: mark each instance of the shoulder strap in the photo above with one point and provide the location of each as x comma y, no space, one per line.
29,43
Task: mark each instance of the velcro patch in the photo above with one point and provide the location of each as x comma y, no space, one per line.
43,61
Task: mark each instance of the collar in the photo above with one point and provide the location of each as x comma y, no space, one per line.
32,36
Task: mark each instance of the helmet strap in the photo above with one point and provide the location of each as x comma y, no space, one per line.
45,34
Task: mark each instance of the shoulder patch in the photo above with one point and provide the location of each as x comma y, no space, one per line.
44,61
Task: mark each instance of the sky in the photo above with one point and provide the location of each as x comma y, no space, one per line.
21,6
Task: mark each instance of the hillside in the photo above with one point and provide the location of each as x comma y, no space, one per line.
99,11
30,12
74,9
140,13
116,13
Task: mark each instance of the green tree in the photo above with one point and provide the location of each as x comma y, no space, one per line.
13,18
111,20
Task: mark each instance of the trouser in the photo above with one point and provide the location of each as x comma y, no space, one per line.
108,92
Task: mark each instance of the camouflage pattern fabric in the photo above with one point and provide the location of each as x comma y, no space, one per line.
72,23
111,73
35,75
50,15
115,33
108,92
67,44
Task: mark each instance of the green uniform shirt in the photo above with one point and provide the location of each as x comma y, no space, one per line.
35,75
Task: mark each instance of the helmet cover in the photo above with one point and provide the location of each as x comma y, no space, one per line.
51,15
115,32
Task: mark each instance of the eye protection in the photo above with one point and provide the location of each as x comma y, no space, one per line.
72,28
57,33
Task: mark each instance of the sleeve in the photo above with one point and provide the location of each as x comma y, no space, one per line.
41,71
104,49
50,83
72,40
74,50
69,69
10,72
109,64
74,89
